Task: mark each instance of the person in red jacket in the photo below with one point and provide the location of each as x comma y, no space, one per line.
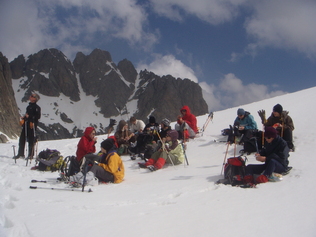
86,144
186,122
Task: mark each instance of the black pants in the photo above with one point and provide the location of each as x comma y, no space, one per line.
288,137
27,135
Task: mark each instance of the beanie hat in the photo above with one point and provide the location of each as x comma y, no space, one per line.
152,119
107,144
240,111
36,96
173,134
278,108
165,122
270,132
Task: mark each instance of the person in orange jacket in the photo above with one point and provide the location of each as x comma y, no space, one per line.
110,167
86,144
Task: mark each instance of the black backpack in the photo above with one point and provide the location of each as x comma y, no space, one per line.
72,166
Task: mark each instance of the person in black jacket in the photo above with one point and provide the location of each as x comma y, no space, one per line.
275,158
29,124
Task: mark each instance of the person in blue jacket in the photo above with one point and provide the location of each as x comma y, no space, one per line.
244,125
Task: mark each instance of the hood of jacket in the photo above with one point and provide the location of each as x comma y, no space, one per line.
88,131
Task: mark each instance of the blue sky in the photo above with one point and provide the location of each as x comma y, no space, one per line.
239,51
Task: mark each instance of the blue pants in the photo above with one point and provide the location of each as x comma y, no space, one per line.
267,168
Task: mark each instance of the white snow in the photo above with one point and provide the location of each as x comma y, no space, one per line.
174,201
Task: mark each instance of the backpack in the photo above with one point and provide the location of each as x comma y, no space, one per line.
50,160
72,166
234,171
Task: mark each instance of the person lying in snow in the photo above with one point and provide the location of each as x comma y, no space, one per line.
171,152
275,158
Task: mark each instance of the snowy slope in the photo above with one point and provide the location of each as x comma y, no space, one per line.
175,201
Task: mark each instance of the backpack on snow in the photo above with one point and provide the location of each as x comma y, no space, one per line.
50,160
234,171
72,166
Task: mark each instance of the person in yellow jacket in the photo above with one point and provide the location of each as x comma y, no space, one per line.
110,168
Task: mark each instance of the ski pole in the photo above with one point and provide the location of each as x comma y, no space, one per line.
164,148
61,189
225,158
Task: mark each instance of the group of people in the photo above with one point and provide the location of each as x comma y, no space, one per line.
278,136
164,143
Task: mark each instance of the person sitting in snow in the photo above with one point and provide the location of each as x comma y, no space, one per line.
153,146
186,123
123,137
275,158
171,152
86,144
244,126
280,120
110,167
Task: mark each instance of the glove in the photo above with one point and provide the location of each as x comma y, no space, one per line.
31,125
112,122
262,114
22,122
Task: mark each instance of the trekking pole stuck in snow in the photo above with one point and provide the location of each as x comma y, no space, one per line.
225,158
209,118
61,189
13,146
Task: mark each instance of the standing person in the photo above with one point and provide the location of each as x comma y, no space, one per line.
86,144
283,123
110,168
275,158
186,122
29,124
171,150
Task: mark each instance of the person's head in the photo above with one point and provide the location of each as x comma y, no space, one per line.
107,145
241,113
89,132
165,123
122,126
270,133
152,120
132,120
34,98
277,110
172,135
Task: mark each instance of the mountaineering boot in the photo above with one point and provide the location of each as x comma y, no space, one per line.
142,165
275,177
151,168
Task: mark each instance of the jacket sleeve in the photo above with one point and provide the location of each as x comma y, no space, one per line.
288,123
281,155
251,123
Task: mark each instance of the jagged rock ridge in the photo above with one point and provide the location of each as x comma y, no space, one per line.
94,86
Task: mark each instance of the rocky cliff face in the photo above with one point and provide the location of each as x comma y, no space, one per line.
9,114
93,86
